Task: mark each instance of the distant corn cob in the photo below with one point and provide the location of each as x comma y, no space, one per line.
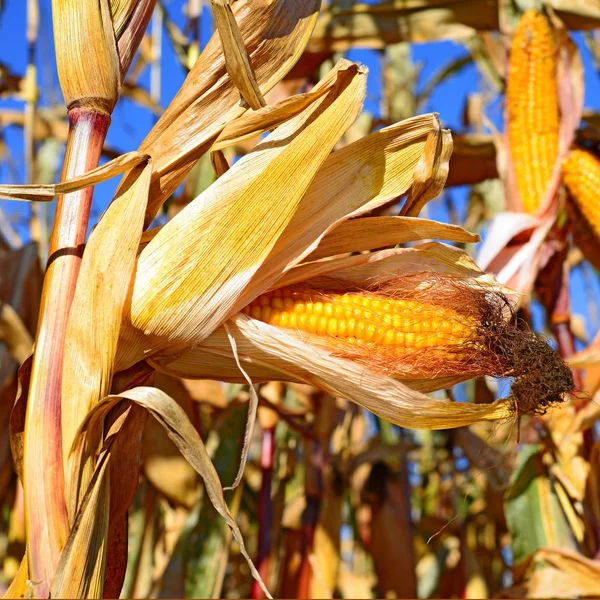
532,101
414,327
581,174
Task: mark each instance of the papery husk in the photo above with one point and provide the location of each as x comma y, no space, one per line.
96,315
86,54
377,232
286,357
371,268
556,573
183,434
195,271
236,57
274,33
355,180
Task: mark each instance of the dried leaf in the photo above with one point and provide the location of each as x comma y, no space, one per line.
96,313
377,232
258,121
181,431
274,34
47,192
186,285
236,57
431,172
557,573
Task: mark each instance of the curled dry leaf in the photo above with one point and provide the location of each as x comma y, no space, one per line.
377,232
95,317
236,57
274,33
47,192
556,573
183,434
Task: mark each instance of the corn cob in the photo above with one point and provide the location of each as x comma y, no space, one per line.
581,174
532,103
423,327
361,319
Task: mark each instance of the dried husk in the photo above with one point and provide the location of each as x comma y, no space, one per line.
96,313
270,353
187,284
274,33
38,192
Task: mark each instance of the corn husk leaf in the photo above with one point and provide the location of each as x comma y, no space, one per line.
80,572
236,57
355,180
260,345
95,316
431,173
124,478
377,267
163,465
377,232
274,34
20,586
186,285
258,121
184,435
47,192
556,573
86,53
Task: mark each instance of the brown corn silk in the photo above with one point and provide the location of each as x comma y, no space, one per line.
532,106
581,174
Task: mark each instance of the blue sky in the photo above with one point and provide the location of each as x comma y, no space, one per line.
131,124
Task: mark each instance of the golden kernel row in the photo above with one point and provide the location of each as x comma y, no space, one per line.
362,319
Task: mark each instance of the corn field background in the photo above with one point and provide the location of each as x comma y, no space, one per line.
270,275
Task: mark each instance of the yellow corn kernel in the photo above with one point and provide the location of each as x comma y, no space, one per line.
532,106
367,319
581,174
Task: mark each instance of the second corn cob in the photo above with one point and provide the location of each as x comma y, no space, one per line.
532,106
581,174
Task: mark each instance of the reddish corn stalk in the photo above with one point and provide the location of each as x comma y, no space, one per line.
46,511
